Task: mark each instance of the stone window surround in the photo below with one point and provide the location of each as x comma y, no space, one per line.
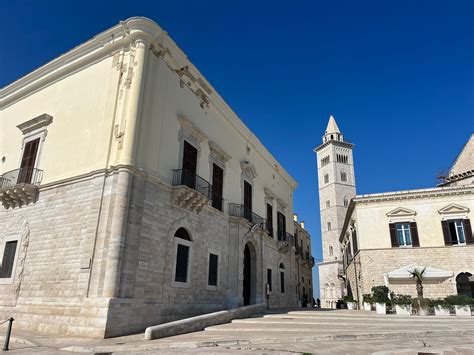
178,284
33,129
217,156
3,242
190,133
282,271
219,260
249,173
270,267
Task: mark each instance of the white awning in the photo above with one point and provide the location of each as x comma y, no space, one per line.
430,273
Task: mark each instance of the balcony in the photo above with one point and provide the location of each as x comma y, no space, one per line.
20,187
285,241
299,252
190,190
309,261
245,212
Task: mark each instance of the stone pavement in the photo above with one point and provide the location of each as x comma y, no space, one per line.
282,332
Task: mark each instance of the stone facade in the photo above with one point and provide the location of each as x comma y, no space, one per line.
305,262
414,229
336,181
97,248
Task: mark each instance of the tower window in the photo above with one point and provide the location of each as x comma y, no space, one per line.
329,226
328,203
343,176
330,250
325,160
326,178
346,201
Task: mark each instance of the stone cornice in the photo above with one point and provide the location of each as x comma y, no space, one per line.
338,143
218,153
413,194
35,123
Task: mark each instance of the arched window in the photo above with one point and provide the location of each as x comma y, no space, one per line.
343,175
183,244
346,201
329,226
330,250
332,136
282,266
464,285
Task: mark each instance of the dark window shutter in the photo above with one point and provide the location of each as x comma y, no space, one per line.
213,263
217,186
354,242
446,235
282,281
393,235
270,219
8,259
269,279
468,231
182,258
415,241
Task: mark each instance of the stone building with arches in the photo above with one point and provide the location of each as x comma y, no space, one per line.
131,194
387,235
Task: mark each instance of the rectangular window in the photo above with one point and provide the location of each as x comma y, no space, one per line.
282,282
247,201
217,186
328,203
281,224
28,161
189,167
213,266
326,178
182,258
269,279
8,259
456,230
270,219
403,234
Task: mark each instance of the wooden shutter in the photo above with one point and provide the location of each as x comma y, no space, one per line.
269,279
217,186
282,282
354,243
213,264
8,259
270,219
182,258
446,234
468,231
188,174
28,161
393,235
415,241
247,200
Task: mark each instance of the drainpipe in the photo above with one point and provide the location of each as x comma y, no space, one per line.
124,182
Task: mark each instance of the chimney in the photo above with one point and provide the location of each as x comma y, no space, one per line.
302,224
295,217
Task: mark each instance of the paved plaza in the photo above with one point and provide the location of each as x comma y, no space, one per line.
287,332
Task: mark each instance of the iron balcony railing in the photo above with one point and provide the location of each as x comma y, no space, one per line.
26,175
188,178
237,210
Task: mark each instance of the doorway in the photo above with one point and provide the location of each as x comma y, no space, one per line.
249,292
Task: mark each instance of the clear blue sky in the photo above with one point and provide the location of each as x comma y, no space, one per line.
397,75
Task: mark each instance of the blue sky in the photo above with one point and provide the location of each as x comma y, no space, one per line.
397,75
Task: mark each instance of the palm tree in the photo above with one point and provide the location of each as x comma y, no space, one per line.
418,275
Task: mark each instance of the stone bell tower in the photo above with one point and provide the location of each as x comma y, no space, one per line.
336,183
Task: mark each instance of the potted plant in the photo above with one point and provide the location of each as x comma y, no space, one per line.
441,307
422,305
402,305
368,302
462,304
349,300
380,296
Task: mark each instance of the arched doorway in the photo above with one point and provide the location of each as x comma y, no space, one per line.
464,285
249,289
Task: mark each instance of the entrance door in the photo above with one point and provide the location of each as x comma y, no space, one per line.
247,201
188,173
28,161
247,276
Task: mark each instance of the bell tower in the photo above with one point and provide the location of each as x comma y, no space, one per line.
336,182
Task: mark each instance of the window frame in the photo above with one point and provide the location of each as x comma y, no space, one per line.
404,234
188,243
454,221
12,238
219,259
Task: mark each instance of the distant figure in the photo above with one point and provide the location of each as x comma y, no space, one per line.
304,302
318,302
313,303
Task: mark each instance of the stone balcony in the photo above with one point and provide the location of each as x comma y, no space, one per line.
285,242
190,191
20,187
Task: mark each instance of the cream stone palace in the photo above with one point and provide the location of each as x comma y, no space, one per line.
131,194
377,239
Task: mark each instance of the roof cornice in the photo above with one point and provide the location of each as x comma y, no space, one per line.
338,143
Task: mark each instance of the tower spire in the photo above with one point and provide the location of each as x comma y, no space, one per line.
332,131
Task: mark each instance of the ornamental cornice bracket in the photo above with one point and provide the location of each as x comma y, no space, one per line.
269,193
217,152
191,128
281,204
248,169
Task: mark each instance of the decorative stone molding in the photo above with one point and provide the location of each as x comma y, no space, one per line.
453,208
401,212
248,170
188,198
35,123
281,204
18,195
268,193
218,153
191,129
